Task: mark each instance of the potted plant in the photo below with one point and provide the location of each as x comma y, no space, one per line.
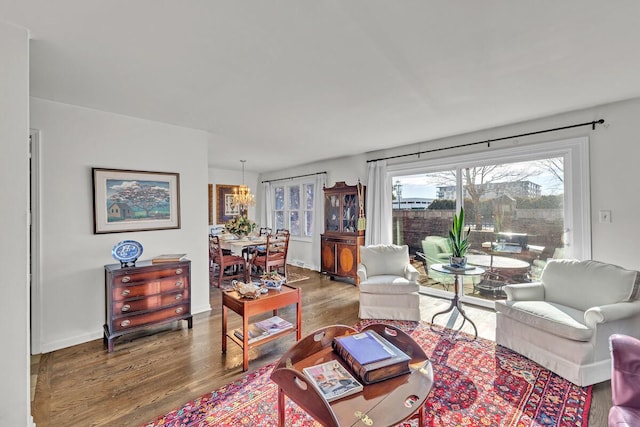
459,241
240,226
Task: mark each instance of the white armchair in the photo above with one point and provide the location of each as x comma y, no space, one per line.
564,321
388,283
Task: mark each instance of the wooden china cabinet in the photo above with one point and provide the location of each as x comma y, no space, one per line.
340,243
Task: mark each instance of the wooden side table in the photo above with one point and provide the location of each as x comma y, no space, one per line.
245,307
385,403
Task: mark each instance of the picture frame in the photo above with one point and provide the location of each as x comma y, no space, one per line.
224,208
132,200
211,210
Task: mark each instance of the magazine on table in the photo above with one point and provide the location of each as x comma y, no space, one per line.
274,324
256,333
332,380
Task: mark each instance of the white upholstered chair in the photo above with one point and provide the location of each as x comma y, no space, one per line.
388,283
563,322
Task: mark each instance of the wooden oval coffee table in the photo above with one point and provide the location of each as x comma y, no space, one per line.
385,403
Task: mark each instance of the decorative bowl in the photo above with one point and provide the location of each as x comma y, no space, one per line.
273,284
247,290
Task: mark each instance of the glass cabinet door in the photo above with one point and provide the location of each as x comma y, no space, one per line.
349,213
332,214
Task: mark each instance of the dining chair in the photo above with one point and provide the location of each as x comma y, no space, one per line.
274,257
229,266
250,250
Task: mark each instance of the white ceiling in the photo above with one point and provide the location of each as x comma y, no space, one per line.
282,83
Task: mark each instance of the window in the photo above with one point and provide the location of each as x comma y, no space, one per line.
523,205
293,208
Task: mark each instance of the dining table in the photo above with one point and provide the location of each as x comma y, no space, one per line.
237,245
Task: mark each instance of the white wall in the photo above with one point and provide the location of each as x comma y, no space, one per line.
14,174
614,154
73,140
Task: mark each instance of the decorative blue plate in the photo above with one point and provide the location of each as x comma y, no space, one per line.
127,251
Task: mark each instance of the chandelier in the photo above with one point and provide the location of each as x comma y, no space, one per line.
242,197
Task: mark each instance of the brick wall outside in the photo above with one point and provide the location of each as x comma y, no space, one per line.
544,227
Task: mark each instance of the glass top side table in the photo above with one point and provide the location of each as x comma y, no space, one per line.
455,301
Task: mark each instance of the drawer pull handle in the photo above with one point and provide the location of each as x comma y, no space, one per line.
179,310
125,323
179,284
179,271
125,292
178,297
126,279
126,307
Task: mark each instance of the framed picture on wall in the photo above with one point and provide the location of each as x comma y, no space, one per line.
211,215
225,208
131,200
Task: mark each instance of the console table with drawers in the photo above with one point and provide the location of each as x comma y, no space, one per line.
145,295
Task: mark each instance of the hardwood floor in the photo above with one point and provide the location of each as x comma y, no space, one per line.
151,374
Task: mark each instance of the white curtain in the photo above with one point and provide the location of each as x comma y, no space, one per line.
266,216
378,210
318,217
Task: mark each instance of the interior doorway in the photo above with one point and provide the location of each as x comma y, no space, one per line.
34,241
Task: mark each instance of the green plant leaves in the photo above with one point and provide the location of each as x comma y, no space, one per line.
458,239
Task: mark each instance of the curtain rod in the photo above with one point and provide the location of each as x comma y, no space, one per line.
489,141
293,177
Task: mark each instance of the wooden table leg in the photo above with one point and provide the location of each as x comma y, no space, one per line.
245,342
299,320
280,407
224,329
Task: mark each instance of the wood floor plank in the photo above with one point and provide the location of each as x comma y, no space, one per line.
150,374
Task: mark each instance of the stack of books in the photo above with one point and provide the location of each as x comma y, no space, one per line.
371,357
454,268
168,258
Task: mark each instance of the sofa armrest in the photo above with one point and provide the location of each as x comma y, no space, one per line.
411,273
525,292
611,312
362,272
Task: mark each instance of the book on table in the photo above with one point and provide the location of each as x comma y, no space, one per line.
332,380
454,268
389,360
274,324
168,258
255,333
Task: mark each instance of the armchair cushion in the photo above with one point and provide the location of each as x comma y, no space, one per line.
384,259
584,285
388,284
556,319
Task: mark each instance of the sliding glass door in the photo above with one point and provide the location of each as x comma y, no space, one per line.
523,206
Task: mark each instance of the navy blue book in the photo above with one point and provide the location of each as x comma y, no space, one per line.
366,347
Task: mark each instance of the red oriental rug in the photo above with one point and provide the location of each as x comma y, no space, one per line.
477,383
